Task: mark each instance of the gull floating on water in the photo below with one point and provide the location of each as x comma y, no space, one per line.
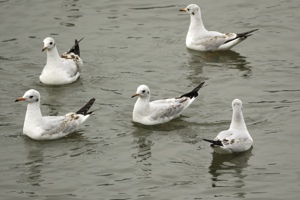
61,69
40,127
160,111
200,39
237,138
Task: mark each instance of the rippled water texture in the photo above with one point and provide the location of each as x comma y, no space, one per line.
128,43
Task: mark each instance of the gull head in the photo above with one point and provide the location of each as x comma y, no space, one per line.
237,104
30,96
142,91
49,43
192,9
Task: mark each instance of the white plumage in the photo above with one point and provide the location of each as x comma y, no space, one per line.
160,111
61,69
40,127
237,138
200,39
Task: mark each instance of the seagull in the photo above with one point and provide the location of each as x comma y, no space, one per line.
237,138
200,39
61,69
160,111
40,127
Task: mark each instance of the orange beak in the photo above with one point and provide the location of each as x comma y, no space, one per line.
44,49
182,10
134,95
20,99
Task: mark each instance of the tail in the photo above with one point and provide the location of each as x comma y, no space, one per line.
242,35
214,142
75,48
84,110
194,92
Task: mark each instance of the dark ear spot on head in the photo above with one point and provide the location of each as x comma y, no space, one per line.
193,13
37,100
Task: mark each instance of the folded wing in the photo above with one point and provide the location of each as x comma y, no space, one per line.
169,108
59,126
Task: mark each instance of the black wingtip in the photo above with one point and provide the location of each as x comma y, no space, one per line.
242,36
84,110
91,112
75,48
194,92
246,34
214,142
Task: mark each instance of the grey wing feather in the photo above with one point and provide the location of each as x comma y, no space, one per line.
60,125
213,43
169,108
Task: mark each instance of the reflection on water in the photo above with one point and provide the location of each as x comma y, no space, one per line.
35,161
143,144
221,57
229,59
174,124
224,167
71,146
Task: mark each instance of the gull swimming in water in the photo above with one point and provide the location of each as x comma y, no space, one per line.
61,69
237,138
40,127
200,39
160,111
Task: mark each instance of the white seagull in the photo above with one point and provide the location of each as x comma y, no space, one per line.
160,111
40,127
61,69
200,39
237,138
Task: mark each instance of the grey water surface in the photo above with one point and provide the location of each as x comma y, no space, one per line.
129,43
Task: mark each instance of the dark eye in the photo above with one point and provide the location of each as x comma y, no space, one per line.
51,43
188,9
31,97
143,91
